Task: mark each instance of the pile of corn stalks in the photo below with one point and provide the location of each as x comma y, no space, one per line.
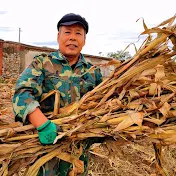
137,100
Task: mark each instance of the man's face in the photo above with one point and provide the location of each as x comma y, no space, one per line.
71,40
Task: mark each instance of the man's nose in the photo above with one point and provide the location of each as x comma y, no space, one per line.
72,37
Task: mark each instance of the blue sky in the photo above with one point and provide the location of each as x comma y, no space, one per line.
112,23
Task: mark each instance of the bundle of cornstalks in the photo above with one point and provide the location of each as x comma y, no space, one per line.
137,100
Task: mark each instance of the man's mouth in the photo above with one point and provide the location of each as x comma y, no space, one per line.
72,46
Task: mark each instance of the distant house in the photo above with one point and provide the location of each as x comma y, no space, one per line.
15,57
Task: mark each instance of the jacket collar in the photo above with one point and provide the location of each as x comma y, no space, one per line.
59,56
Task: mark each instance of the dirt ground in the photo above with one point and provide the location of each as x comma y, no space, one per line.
135,158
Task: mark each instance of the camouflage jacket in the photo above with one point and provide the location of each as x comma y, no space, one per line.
52,72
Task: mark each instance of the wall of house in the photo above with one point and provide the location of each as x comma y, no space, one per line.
16,57
101,61
10,61
1,55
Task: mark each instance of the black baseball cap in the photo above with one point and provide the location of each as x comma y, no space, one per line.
72,18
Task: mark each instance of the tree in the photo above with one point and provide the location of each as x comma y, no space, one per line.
174,58
119,55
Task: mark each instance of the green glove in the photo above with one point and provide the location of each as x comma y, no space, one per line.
47,132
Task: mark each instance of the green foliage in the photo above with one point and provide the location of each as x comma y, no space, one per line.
119,55
174,58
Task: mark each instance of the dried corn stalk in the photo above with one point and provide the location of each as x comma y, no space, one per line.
137,100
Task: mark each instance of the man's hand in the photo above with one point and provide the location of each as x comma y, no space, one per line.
47,132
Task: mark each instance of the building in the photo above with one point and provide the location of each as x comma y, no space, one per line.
15,57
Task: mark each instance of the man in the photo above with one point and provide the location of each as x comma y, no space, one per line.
65,71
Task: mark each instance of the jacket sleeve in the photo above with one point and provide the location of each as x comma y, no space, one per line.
28,90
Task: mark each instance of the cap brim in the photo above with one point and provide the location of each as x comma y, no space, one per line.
72,22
